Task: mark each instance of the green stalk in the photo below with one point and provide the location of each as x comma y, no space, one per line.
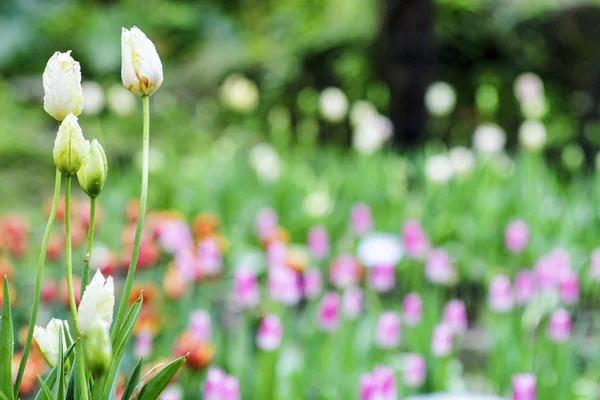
38,284
85,275
68,251
140,222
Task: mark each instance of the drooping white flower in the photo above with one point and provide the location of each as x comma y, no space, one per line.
440,99
239,93
489,139
371,133
333,104
379,249
47,340
532,135
93,96
62,86
265,161
141,69
462,160
438,169
97,303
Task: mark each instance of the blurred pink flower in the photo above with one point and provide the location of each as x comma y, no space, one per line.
525,286
328,313
266,223
382,278
595,265
568,287
199,325
284,285
413,370
352,302
414,239
245,287
172,392
523,387
379,385
439,268
186,263
442,340
387,330
412,309
143,344
559,327
276,254
455,315
500,296
270,333
516,236
361,221
318,242
209,257
312,283
219,386
344,271
174,235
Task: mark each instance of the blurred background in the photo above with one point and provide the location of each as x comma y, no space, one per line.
253,71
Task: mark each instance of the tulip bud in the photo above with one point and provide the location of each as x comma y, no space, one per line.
92,173
98,349
387,331
47,340
523,387
141,69
69,146
328,314
97,303
62,86
412,309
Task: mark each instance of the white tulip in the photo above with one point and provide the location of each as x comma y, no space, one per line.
438,169
141,69
532,135
97,303
62,86
489,139
333,104
47,340
440,99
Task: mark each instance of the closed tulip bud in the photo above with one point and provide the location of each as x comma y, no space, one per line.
62,86
92,173
69,146
47,340
97,303
98,349
141,69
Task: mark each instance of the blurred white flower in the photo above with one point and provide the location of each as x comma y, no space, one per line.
62,86
47,340
141,69
370,134
121,101
265,161
489,139
462,160
529,87
333,104
239,93
359,110
379,249
440,99
534,109
532,135
97,303
93,97
317,204
438,169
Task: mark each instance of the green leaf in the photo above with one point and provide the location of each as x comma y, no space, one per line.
51,379
154,387
61,367
121,340
3,396
133,380
45,389
71,387
6,344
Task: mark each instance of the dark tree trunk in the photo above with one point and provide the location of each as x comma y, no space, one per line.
408,62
